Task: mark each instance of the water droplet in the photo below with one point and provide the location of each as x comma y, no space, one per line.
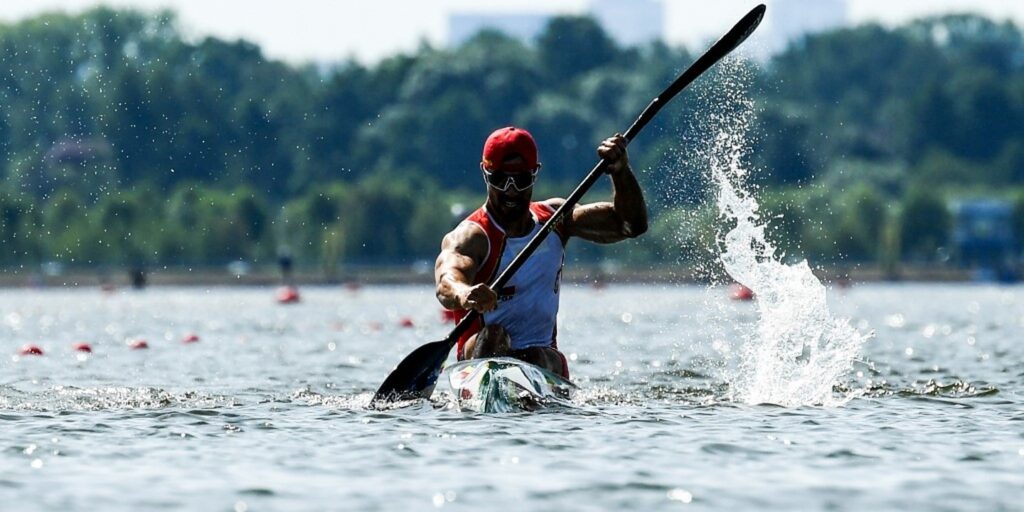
438,500
680,495
895,321
37,463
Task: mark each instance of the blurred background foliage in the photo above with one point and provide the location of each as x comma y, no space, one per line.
128,144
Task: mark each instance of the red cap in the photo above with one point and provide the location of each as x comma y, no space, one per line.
506,144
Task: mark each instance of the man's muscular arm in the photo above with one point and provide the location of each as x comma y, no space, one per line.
462,252
626,215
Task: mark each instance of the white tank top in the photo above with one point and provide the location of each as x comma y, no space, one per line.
528,303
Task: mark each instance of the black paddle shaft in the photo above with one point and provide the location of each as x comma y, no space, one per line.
723,47
418,372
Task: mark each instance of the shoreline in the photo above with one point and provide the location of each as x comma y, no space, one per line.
595,274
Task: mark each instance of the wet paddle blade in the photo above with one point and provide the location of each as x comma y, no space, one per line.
416,375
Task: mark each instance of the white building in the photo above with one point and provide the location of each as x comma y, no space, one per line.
629,23
525,27
789,20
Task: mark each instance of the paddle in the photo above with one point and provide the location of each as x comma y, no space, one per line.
416,375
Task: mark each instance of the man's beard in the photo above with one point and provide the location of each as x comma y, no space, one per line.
513,207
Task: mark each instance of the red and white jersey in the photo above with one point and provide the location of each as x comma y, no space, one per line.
528,303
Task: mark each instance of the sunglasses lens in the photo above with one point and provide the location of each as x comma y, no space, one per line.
502,181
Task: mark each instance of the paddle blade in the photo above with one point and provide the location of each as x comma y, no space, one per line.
416,375
732,39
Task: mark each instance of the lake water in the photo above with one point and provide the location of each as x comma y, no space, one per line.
267,411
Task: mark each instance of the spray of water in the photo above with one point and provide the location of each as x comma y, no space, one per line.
798,350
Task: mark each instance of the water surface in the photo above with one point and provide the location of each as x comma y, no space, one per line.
267,411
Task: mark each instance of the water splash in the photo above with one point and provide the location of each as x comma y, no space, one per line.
798,350
108,398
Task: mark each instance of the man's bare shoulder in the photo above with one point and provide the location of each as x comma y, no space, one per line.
468,239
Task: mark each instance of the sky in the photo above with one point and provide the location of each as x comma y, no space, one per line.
368,30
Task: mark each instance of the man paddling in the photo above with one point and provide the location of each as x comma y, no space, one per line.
520,319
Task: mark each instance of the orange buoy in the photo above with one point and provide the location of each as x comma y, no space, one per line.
29,349
288,295
741,292
82,347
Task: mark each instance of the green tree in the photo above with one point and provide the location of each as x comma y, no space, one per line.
859,234
924,225
570,46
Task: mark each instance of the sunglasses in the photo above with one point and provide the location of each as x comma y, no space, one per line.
499,180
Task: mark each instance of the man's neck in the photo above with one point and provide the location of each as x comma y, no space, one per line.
515,225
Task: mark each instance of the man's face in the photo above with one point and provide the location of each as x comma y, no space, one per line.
510,192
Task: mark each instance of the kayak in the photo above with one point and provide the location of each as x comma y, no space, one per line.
504,384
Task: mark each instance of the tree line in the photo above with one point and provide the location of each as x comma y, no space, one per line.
128,143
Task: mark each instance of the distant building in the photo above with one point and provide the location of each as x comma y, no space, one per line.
983,239
78,151
525,27
789,20
629,23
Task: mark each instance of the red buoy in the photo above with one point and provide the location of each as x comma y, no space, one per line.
138,344
740,292
288,295
406,322
82,347
29,349
190,338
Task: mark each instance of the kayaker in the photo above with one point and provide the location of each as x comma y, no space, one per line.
520,319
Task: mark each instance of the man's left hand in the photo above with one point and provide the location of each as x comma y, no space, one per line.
613,151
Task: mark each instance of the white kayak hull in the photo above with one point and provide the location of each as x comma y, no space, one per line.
503,384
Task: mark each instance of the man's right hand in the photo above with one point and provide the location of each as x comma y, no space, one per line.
479,298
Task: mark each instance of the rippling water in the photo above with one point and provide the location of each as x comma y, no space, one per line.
267,411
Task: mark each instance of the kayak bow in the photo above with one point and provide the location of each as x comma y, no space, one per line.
503,384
